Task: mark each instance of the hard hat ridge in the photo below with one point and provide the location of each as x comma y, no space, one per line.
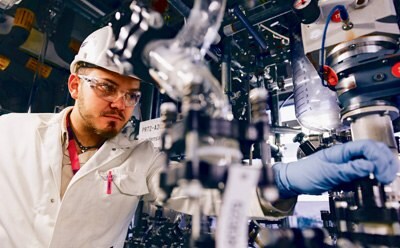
94,51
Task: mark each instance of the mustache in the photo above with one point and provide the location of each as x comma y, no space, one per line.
113,112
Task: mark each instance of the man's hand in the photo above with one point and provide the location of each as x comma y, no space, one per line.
330,167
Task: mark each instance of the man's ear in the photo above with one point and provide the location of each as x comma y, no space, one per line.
73,85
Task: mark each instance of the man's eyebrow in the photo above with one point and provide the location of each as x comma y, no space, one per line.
109,80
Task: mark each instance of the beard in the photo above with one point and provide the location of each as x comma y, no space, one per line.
110,131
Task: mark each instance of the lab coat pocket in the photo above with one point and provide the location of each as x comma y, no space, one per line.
124,182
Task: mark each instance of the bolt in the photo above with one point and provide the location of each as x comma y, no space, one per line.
352,46
379,77
347,26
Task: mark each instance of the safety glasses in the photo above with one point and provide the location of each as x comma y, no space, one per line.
110,92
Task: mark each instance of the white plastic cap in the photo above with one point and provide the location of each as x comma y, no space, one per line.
94,51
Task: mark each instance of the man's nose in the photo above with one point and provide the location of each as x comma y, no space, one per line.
119,103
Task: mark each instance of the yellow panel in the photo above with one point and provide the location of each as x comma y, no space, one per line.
33,64
4,62
24,18
74,45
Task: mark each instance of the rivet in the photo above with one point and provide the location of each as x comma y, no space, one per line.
352,46
379,77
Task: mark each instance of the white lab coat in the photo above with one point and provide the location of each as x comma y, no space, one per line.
31,211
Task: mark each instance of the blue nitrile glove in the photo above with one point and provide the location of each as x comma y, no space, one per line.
339,164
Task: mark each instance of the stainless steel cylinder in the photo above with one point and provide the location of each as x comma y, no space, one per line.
376,127
375,122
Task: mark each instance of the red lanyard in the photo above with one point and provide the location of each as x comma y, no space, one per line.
73,153
73,156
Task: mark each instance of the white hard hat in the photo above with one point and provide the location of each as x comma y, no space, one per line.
94,51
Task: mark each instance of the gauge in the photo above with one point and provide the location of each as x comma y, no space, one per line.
307,10
301,4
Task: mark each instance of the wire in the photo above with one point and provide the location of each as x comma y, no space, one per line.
274,32
37,75
287,99
344,16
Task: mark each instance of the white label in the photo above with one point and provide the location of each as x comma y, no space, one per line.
232,227
151,130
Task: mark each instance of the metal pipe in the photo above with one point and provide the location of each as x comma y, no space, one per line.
180,7
156,104
202,25
242,17
226,75
185,11
147,100
177,63
263,16
274,106
84,10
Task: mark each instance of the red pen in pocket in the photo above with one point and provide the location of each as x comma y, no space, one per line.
109,182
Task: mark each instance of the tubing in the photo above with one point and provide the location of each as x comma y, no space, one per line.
177,63
260,40
202,25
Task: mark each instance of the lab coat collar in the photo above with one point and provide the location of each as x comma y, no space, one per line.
109,155
108,152
50,133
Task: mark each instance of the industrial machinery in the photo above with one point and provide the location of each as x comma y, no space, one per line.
365,59
360,70
224,70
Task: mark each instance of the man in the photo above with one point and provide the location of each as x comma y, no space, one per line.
74,180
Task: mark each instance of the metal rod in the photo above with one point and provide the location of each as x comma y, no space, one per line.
263,16
226,75
242,17
180,7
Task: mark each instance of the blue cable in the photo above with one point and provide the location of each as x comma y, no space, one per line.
345,17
